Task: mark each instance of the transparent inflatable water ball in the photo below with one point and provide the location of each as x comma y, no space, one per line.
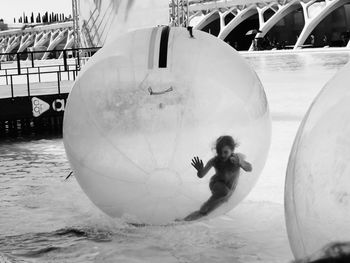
317,191
147,103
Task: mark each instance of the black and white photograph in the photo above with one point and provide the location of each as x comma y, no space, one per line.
174,131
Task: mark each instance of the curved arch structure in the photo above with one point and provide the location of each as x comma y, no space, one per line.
44,37
11,44
97,18
208,19
312,22
313,15
208,23
241,16
55,39
283,11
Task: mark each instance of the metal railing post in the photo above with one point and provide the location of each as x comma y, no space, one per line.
65,60
28,86
58,82
39,74
18,65
78,57
11,86
32,55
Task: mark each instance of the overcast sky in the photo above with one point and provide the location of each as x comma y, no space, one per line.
15,8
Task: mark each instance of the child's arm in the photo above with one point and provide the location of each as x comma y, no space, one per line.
199,166
246,166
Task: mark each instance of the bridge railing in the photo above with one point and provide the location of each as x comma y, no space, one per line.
36,56
27,70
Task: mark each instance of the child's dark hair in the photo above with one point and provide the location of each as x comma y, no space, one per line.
223,141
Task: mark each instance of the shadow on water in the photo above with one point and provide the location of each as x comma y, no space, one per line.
29,138
35,245
116,241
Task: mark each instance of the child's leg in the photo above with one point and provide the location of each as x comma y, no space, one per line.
193,216
220,194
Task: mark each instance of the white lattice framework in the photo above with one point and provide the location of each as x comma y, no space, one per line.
39,38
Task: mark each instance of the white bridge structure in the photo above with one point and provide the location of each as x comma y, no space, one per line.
56,36
291,21
222,18
96,21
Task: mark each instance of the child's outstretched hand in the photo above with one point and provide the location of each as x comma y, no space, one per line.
197,164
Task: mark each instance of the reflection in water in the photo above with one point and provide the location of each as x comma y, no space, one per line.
308,62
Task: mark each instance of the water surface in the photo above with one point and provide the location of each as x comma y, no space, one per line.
44,218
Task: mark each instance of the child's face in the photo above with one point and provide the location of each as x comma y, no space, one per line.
226,152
